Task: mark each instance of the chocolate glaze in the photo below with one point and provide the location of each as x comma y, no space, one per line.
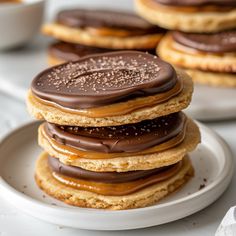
216,43
103,79
106,177
114,139
73,52
221,3
82,18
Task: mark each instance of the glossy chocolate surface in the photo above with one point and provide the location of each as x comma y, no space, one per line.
72,51
82,18
114,139
215,43
104,79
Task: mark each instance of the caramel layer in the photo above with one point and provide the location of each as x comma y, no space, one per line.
74,153
103,31
188,9
121,108
118,189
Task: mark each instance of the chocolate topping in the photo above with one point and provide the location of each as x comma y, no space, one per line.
106,177
198,2
82,18
216,43
114,139
73,52
104,79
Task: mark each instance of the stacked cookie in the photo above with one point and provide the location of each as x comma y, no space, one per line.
83,32
205,44
114,136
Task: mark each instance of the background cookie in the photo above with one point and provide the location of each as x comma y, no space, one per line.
175,19
213,79
74,35
168,51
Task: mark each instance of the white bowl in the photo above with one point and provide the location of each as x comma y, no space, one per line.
19,22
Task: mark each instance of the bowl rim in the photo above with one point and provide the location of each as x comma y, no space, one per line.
24,3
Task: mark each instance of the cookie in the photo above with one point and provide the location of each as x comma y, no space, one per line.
144,197
181,55
127,162
106,29
61,52
189,16
208,59
99,91
227,80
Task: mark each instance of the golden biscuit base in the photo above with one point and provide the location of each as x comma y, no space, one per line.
55,115
53,61
225,62
138,162
226,80
199,21
83,36
142,198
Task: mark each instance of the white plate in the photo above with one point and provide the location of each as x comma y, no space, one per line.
18,151
210,103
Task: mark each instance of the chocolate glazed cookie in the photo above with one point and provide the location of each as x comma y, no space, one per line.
193,16
109,89
197,2
104,79
222,42
82,18
60,52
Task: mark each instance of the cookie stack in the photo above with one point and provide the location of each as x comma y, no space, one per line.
83,32
114,137
205,43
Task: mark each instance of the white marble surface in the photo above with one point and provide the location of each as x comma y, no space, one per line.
13,113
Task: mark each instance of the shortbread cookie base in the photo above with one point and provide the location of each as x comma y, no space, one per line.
53,61
81,36
55,115
225,62
145,197
198,22
226,80
140,162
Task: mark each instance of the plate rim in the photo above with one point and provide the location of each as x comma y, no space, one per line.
224,176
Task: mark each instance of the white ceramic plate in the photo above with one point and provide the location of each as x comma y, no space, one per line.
211,103
19,150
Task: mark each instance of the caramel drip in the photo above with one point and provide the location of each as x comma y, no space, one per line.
188,9
74,153
117,189
121,108
104,31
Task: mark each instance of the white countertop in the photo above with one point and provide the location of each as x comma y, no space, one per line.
13,222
